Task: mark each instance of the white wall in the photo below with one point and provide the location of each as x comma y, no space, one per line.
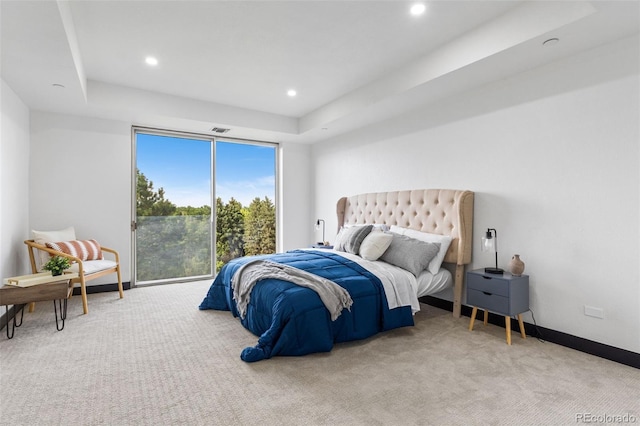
14,183
295,207
553,158
81,177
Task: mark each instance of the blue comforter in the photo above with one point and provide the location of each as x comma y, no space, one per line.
292,320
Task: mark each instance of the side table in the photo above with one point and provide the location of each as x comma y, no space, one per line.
35,288
506,295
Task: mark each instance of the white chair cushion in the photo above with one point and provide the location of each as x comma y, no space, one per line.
93,266
42,237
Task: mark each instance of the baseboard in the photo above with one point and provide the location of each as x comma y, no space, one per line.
91,289
102,288
611,353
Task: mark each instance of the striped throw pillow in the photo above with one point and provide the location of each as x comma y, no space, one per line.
82,249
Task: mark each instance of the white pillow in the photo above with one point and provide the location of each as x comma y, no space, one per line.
444,240
375,244
42,237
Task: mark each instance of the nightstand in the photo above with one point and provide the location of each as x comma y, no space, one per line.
506,295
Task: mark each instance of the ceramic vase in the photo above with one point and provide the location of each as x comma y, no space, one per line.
516,266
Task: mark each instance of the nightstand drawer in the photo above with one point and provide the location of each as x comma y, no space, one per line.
488,284
487,300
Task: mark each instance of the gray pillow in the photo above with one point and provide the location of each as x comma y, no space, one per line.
410,254
351,238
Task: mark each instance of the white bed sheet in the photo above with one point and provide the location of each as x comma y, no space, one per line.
429,283
400,285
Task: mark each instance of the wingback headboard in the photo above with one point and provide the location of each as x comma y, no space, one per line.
438,211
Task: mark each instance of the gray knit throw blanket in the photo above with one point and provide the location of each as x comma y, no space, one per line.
334,297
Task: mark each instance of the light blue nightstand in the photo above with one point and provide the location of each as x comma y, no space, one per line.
505,294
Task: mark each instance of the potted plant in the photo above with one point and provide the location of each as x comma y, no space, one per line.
57,265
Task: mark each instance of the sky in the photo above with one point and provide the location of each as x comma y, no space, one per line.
182,168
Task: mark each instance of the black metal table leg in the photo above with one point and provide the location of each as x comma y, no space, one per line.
14,324
63,312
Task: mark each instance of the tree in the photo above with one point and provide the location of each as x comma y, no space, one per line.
260,227
158,238
175,241
229,231
149,202
193,211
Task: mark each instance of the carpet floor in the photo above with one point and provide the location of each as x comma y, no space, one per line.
153,358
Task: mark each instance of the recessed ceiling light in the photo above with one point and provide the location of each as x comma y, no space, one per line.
58,85
550,42
291,93
418,9
150,60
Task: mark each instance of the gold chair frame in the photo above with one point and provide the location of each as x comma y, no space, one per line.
82,277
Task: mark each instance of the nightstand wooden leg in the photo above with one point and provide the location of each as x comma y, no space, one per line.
486,317
507,321
474,312
521,324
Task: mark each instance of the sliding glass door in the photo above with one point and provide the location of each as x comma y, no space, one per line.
177,176
173,220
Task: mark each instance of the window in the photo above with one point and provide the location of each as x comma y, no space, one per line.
177,176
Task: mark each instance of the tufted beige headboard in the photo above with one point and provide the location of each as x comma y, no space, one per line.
438,211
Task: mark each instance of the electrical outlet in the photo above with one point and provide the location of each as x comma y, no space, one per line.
590,311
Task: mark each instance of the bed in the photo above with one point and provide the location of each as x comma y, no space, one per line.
304,301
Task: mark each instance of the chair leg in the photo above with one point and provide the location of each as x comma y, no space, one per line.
120,290
83,292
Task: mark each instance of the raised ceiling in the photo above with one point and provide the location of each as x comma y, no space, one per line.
230,63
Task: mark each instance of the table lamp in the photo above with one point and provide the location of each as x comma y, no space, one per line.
490,243
318,227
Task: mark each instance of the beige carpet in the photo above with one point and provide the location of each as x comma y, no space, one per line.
153,358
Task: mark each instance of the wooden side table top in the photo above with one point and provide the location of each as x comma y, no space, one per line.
35,288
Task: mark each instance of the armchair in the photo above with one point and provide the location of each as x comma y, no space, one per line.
89,264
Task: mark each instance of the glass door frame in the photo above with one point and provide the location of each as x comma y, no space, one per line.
213,224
